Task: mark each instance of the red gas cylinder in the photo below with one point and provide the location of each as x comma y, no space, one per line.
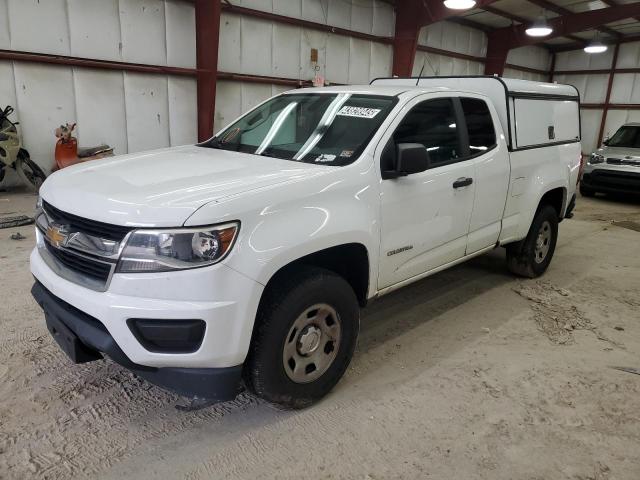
66,152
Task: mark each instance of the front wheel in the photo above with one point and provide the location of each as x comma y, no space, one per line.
306,331
29,171
531,256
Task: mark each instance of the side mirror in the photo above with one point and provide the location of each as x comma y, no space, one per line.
410,158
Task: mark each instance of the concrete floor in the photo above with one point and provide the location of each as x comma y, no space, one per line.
469,374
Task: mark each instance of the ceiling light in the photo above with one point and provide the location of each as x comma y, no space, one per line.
595,46
539,28
459,4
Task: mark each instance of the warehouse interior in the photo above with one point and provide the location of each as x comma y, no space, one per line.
170,73
469,373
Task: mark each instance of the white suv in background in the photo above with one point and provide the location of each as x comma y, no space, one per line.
244,261
614,167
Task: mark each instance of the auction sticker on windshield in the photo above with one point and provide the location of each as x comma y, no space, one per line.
359,112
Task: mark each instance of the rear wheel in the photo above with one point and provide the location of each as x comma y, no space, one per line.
29,171
531,256
306,332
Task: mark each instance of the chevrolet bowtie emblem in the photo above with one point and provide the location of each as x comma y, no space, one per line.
57,235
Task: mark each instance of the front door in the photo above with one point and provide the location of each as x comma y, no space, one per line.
425,216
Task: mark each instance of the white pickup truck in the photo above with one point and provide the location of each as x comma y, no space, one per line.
244,260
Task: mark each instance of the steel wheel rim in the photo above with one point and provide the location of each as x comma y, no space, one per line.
312,343
543,242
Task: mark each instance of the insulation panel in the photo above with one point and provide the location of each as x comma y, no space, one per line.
131,112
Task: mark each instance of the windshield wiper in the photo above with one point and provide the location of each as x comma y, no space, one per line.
211,143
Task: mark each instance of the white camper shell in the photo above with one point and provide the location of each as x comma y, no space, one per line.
534,114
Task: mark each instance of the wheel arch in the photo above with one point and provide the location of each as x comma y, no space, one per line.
557,198
349,260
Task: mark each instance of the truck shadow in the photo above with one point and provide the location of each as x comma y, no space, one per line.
614,198
416,305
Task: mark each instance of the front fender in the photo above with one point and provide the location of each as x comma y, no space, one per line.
287,222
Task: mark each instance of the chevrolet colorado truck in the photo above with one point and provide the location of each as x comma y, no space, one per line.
243,261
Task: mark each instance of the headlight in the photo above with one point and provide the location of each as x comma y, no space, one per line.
179,249
596,158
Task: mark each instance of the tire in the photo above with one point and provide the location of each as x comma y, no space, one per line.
531,257
2,173
29,171
586,191
290,322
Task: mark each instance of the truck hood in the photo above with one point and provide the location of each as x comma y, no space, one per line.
164,188
620,152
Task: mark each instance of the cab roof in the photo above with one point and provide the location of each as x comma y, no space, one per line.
386,90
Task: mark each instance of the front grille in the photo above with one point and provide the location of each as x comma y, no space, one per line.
84,225
92,268
619,161
629,181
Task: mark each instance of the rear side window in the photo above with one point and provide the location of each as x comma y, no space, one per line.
433,124
482,136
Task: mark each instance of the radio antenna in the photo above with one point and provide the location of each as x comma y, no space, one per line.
421,70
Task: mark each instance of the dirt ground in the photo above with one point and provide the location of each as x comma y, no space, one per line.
469,374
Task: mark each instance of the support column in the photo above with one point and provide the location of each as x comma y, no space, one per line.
405,41
605,110
207,39
552,69
497,51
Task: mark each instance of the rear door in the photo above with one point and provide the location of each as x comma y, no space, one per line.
489,154
425,216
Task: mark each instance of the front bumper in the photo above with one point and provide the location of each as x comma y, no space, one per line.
84,339
614,180
224,299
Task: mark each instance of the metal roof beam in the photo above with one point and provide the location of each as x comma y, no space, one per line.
552,7
516,36
504,39
411,16
613,3
525,21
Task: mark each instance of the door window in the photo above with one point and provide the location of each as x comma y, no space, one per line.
433,124
482,136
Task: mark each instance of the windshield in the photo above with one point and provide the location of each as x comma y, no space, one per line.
627,136
327,129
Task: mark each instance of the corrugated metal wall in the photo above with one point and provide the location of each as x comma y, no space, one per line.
455,38
593,88
130,111
262,47
470,41
625,88
136,111
531,57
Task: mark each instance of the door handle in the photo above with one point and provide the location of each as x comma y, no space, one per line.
462,182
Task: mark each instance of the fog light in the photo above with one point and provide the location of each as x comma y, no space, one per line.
168,336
